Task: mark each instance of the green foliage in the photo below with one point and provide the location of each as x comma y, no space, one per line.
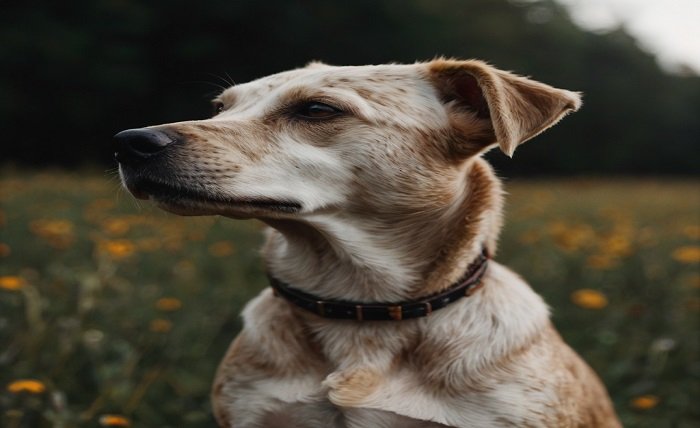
74,74
121,309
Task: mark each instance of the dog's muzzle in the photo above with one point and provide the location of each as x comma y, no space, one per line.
137,145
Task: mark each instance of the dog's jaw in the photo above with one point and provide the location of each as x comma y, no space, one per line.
378,259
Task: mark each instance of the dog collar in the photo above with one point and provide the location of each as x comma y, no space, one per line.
338,309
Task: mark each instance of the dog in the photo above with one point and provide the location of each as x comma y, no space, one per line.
386,307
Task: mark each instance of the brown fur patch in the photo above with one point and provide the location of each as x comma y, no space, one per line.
483,197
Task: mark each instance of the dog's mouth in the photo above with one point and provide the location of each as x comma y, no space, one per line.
182,200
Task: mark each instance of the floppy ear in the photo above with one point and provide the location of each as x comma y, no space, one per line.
517,108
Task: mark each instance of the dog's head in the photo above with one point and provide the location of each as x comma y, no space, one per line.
322,138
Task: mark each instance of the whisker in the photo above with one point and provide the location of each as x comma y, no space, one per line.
231,82
226,80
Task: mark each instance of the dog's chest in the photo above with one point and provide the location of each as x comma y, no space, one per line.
370,380
441,368
400,402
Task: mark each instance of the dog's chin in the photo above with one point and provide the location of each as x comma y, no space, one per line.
239,211
185,208
188,202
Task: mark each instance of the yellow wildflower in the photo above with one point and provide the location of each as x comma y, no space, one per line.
160,325
168,304
589,299
58,233
644,402
114,421
617,245
26,385
692,231
4,250
571,237
115,226
118,249
51,227
11,282
688,254
221,249
601,261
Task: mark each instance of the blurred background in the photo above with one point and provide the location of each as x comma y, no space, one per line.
75,73
115,314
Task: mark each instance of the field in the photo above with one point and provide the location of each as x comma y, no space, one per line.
113,313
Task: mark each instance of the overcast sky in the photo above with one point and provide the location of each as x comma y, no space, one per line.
670,29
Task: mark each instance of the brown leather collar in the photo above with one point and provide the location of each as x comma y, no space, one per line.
338,309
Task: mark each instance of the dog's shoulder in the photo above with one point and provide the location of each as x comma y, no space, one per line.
272,342
270,365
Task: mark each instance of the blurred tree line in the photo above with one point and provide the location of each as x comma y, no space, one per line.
74,73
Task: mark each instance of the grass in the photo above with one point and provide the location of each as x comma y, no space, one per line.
114,313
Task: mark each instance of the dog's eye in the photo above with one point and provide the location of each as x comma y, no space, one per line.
217,107
315,110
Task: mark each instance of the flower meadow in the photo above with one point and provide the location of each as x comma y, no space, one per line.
113,313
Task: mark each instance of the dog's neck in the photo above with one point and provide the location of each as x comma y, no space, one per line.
393,258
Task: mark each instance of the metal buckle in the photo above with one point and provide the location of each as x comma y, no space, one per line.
396,312
358,312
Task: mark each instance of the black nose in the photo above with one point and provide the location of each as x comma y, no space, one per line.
135,145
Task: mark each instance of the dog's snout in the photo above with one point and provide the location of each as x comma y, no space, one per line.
140,144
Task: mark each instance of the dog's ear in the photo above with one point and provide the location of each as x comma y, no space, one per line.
517,108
